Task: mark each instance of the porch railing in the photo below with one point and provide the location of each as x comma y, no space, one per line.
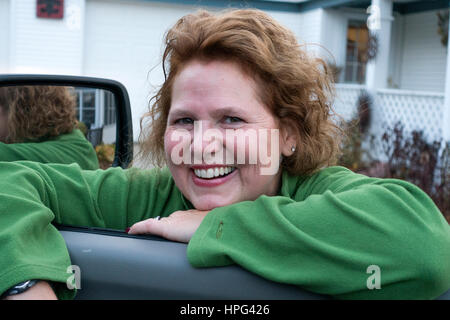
346,99
416,110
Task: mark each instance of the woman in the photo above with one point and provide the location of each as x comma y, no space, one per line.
37,123
233,75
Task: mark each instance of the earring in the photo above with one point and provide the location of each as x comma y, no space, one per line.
293,149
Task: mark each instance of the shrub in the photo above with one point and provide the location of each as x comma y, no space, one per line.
409,156
105,155
352,152
82,127
426,164
353,155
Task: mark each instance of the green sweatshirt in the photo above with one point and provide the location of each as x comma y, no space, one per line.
322,232
67,148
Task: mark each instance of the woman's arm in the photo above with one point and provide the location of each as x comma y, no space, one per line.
325,233
41,291
34,195
65,149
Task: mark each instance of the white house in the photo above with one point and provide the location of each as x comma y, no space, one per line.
122,40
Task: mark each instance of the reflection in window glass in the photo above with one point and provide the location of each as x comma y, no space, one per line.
86,107
89,99
89,117
96,108
110,108
355,64
77,99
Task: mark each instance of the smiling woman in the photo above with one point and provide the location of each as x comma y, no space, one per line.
233,79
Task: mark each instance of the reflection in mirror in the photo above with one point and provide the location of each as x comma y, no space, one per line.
57,124
96,115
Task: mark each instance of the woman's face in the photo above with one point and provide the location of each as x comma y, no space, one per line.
216,100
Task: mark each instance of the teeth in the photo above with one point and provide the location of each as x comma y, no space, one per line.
213,172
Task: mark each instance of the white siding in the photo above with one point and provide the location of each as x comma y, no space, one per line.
334,36
306,26
424,57
4,36
46,45
396,51
308,29
123,41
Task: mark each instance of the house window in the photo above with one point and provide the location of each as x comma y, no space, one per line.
95,108
110,108
86,112
355,62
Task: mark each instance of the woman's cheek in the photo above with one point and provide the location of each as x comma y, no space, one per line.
168,146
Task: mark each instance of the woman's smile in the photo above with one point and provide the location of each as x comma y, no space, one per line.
211,176
211,172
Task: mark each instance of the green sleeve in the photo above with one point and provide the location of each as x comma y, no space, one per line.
325,232
65,149
33,195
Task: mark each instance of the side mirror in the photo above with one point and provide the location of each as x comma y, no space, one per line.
103,104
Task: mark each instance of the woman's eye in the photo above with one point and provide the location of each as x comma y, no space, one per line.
229,120
184,121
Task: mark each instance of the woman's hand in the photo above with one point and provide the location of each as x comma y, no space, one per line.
179,226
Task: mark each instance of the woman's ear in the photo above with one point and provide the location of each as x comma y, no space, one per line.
288,137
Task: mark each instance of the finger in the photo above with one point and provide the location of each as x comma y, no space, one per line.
149,226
